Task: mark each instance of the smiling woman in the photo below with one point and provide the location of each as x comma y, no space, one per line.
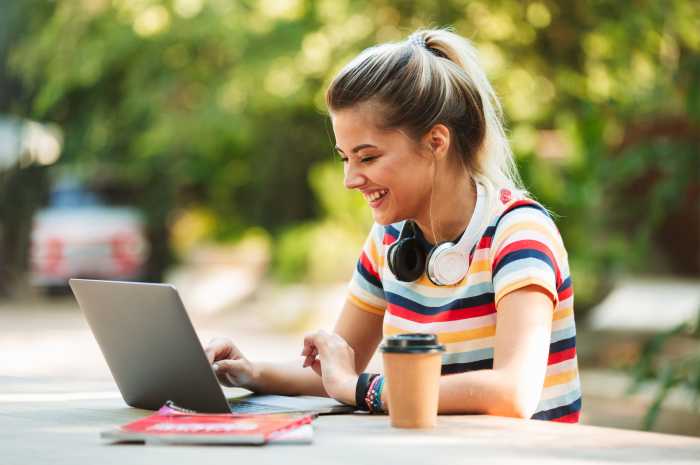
457,249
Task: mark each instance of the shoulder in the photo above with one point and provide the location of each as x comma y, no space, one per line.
522,210
525,221
527,249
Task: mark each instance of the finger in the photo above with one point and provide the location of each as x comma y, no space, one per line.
210,352
311,355
222,375
318,341
224,381
306,349
228,367
308,344
316,366
218,348
309,360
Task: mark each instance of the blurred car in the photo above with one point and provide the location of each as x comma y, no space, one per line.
77,235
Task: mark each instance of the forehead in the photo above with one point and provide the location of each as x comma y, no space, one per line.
355,122
358,125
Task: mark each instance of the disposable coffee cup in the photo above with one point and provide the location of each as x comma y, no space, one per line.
412,365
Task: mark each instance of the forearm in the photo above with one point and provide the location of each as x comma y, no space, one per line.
286,379
491,392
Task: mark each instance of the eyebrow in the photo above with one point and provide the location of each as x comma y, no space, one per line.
358,148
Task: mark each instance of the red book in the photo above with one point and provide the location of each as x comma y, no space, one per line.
172,425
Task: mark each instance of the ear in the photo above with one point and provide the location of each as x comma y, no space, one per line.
437,139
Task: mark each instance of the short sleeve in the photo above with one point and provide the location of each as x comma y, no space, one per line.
365,288
527,249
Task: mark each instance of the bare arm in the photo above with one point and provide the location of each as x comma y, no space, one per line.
362,331
513,386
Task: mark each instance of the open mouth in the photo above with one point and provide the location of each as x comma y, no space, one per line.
376,197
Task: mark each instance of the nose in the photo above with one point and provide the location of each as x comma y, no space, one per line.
353,177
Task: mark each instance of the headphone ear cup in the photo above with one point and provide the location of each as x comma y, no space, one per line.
406,259
429,262
447,265
390,256
429,270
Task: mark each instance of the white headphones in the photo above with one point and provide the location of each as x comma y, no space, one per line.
446,263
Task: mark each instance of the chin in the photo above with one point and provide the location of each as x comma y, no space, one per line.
386,220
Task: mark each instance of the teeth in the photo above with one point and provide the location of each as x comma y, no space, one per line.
375,195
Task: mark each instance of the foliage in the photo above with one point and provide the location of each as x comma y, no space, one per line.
670,372
218,104
324,251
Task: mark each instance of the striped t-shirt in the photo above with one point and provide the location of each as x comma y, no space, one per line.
521,246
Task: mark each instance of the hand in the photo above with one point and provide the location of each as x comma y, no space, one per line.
230,366
332,358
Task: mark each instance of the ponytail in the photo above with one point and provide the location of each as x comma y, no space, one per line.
434,77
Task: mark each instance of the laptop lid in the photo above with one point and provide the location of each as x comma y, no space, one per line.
149,344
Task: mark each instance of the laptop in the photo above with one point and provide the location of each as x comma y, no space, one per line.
153,352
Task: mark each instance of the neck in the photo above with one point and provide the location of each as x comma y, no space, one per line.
453,202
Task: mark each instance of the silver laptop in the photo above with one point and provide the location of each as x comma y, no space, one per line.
155,356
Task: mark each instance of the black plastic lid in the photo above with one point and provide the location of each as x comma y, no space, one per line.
412,344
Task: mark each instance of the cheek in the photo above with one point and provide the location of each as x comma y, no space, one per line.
411,181
410,188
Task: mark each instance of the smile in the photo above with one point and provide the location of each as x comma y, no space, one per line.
374,198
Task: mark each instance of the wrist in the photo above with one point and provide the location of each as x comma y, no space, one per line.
254,378
349,390
345,391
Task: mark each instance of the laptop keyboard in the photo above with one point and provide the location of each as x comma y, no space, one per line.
250,407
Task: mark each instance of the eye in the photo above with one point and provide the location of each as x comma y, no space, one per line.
368,159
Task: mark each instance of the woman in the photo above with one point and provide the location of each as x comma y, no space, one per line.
419,130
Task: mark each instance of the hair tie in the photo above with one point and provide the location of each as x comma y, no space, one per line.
418,40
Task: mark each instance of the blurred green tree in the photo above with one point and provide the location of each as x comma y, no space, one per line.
217,103
22,189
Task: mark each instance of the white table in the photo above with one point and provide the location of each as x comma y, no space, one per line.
67,432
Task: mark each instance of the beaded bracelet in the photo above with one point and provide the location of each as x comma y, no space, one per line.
362,388
370,398
374,395
380,388
378,398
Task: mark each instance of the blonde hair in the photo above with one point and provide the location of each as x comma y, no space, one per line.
433,77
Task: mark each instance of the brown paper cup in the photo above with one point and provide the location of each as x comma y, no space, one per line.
413,384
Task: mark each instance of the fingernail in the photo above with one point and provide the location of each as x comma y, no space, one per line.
215,366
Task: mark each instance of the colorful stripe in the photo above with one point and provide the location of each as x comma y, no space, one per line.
520,247
565,413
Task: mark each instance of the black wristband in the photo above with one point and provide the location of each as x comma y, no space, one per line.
361,389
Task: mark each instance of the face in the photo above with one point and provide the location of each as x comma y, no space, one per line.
385,166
